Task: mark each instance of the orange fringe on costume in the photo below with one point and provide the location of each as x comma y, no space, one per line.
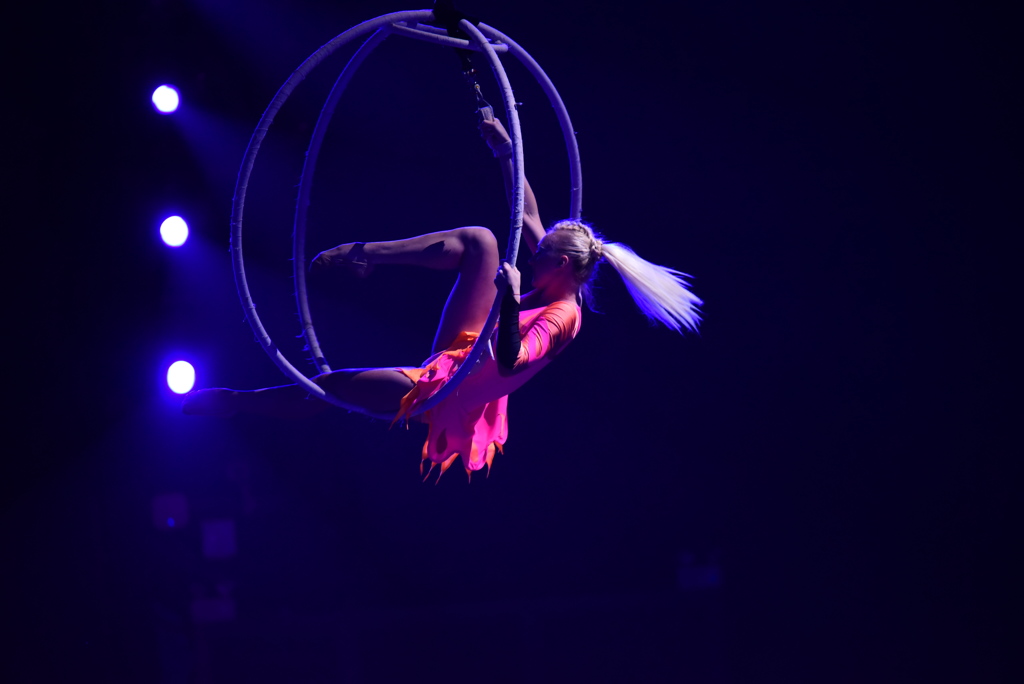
474,433
472,422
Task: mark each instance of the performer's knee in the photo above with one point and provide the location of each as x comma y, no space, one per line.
479,242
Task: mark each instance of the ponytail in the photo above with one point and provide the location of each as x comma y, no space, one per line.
661,293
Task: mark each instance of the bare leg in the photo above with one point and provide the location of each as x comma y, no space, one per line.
472,251
378,390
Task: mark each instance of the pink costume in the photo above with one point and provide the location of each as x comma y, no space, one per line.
471,422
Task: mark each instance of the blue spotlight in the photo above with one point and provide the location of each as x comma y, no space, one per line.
174,231
165,99
181,377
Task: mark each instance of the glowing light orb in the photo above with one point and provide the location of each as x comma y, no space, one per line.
165,99
174,231
181,377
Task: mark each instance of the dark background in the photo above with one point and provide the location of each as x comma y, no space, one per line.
815,488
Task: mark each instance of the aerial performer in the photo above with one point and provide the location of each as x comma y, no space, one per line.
533,328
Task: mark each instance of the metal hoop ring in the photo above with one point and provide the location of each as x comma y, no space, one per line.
414,24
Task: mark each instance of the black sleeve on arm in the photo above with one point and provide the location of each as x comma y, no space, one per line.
509,341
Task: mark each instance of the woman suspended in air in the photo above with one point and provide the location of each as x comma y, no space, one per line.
533,327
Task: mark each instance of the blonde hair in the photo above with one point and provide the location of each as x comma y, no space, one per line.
661,293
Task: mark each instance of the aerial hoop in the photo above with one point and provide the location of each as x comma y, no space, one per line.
416,24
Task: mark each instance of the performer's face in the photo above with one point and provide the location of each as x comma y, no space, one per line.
547,263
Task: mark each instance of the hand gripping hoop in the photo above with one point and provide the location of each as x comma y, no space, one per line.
422,25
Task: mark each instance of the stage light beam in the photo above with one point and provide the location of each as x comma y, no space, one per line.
174,231
165,99
181,377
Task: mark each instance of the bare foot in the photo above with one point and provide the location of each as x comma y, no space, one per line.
349,256
216,402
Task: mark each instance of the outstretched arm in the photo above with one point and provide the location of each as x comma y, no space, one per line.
496,136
